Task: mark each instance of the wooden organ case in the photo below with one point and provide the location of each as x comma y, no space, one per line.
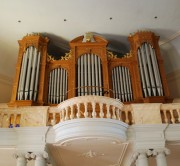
89,69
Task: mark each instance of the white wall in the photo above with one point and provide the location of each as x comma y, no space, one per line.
5,88
171,55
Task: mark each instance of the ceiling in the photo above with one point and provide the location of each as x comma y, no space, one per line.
62,21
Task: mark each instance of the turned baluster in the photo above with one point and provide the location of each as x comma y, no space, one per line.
86,110
178,111
126,117
165,116
94,109
108,115
113,111
53,121
172,116
67,116
72,112
101,114
78,110
14,122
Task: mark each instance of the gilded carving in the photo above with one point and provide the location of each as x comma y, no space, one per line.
50,58
128,55
67,56
110,55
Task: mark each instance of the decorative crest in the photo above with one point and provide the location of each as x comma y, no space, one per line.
88,37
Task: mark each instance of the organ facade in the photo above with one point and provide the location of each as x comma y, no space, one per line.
89,69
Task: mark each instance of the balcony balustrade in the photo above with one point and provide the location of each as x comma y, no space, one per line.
87,107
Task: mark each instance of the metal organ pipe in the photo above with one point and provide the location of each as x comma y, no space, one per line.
85,75
93,75
28,81
37,77
57,86
34,61
58,76
100,78
82,76
122,83
148,67
61,85
142,73
89,75
20,87
158,74
96,74
114,77
79,83
145,70
117,83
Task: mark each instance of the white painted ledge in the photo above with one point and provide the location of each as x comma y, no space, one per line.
87,127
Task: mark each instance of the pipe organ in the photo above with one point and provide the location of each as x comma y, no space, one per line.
89,69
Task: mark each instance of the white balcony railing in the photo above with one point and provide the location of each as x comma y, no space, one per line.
86,107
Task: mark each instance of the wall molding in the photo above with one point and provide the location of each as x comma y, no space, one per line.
170,38
6,80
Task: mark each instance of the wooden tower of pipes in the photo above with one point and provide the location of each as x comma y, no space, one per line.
89,69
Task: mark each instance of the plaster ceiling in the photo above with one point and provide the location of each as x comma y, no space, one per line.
62,21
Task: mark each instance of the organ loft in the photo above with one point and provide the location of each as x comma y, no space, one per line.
89,69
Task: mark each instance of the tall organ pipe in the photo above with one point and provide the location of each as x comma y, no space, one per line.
20,88
58,78
28,77
37,77
158,74
85,75
150,69
122,84
100,78
142,73
78,75
96,71
145,70
89,74
117,83
82,76
61,85
34,61
93,75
